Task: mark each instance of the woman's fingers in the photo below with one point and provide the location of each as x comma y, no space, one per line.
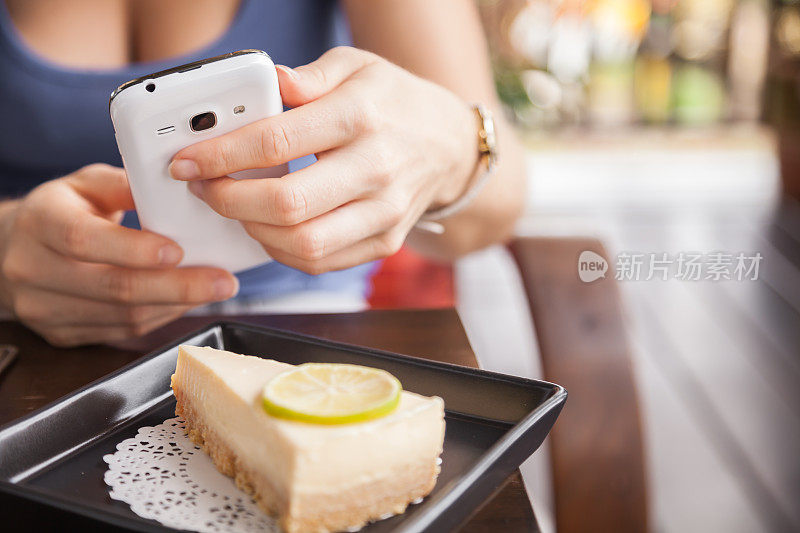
376,246
51,309
335,179
325,235
106,187
322,119
85,236
189,285
309,82
46,269
369,249
77,217
66,336
322,125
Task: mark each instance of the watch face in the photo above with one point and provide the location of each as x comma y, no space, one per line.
488,127
488,137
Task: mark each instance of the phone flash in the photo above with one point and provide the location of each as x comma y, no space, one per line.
238,109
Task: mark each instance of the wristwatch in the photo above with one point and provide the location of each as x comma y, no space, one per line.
487,138
487,152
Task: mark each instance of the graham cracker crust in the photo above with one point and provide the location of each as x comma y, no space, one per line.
322,512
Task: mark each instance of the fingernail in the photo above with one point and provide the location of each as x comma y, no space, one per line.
169,254
225,288
184,169
196,188
288,71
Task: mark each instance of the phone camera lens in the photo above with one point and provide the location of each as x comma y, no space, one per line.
150,87
203,121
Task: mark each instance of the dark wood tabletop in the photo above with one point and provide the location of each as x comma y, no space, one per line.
42,373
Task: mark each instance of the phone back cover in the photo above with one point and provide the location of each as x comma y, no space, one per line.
166,206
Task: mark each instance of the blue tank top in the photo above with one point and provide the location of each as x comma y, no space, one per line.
55,119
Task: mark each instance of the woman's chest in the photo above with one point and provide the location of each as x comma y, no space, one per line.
113,33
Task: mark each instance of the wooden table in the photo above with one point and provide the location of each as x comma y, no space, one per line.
42,373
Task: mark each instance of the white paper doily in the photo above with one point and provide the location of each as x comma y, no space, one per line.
151,473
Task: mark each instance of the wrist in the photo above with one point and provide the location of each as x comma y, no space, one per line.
486,153
456,181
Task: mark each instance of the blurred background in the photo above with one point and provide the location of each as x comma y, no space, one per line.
623,62
690,74
667,127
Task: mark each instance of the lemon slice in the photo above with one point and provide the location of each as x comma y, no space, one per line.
328,393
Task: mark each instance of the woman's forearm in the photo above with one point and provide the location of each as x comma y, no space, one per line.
447,47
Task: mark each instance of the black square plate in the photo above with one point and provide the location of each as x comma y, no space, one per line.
53,457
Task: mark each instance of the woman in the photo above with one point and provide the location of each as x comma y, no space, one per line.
391,124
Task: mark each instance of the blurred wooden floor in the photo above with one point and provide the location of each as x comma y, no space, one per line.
717,363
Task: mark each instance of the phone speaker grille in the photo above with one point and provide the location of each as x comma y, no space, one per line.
165,130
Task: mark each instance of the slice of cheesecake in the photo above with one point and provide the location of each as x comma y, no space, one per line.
314,478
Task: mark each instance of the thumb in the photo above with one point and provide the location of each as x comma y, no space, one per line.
306,83
106,187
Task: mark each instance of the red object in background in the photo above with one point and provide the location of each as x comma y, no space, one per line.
408,280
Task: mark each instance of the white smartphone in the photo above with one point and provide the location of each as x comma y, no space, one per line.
157,115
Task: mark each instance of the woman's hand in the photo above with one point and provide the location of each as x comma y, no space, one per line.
389,146
69,271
